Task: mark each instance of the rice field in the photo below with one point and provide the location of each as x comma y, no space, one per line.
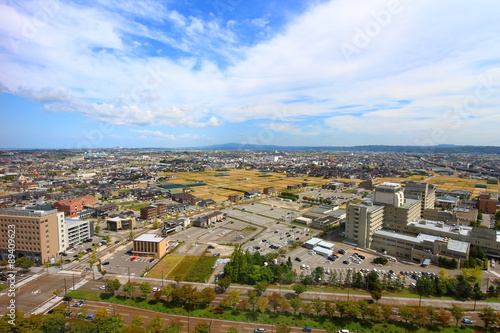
219,188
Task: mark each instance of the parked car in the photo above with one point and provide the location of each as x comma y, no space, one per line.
306,329
298,259
259,330
467,321
132,258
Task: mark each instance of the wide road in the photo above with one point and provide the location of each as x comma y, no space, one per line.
216,325
31,295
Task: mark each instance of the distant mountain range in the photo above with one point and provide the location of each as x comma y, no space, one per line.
439,149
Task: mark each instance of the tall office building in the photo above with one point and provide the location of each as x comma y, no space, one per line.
362,220
426,193
36,234
398,209
389,194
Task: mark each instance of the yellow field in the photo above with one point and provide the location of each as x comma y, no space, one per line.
449,183
242,180
166,265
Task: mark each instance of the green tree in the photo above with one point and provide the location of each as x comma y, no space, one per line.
386,311
457,313
425,286
318,306
224,283
376,295
274,300
253,298
145,289
112,286
262,304
55,323
261,287
24,263
489,317
175,326
108,239
296,304
202,328
129,288
363,308
443,318
307,308
155,325
374,312
406,313
97,229
342,307
299,288
352,310
283,328
232,298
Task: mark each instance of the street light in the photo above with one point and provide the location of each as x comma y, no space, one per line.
162,278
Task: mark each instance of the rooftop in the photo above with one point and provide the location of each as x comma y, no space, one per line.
149,238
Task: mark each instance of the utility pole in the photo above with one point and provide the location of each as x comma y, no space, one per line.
162,278
65,287
73,281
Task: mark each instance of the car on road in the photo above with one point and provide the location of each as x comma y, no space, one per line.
259,330
343,331
306,329
106,263
467,321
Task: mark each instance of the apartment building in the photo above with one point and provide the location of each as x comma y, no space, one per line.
488,202
362,220
36,233
78,230
153,211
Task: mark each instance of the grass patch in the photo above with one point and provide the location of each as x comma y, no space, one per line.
201,270
250,229
88,295
182,269
166,265
3,287
137,207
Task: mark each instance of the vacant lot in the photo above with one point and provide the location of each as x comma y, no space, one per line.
180,271
166,265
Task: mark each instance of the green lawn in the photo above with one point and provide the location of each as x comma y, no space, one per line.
3,287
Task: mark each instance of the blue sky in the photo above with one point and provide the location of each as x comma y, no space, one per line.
95,74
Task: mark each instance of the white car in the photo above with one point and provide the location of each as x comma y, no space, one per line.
156,289
102,287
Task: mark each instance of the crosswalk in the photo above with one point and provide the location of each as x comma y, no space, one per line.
138,259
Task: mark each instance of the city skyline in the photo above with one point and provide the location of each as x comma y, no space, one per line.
295,73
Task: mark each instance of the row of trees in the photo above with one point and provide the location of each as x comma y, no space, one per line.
252,268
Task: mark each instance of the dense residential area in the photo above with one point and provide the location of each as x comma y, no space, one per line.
282,240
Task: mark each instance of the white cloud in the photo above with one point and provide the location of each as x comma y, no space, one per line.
433,55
